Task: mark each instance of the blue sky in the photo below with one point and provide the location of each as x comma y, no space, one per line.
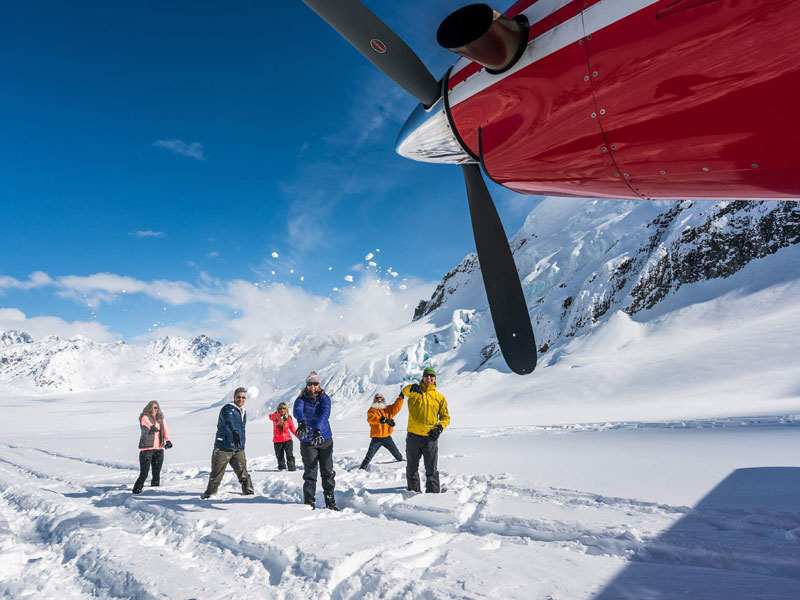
156,154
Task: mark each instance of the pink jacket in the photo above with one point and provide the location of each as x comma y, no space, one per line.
158,439
288,425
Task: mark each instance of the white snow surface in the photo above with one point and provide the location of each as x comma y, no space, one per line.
653,454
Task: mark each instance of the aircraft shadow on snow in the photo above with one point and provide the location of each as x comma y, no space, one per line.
741,541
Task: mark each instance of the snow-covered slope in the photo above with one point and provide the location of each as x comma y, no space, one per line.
606,281
80,364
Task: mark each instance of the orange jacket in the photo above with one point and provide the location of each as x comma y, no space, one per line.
378,429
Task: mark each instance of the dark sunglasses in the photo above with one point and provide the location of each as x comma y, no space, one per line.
378,397
313,383
241,397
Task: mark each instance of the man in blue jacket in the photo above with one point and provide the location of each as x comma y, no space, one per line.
312,410
229,445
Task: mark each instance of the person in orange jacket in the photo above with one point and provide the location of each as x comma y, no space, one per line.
282,428
381,424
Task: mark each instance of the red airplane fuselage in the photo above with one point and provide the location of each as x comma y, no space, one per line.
641,99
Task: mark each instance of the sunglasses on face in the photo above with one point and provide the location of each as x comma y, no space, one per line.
378,397
241,397
312,384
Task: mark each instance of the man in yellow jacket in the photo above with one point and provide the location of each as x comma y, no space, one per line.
427,418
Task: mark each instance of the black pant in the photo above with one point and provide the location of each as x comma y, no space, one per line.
285,448
376,444
314,456
422,445
147,458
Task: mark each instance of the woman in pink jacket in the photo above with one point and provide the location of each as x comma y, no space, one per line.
282,429
154,438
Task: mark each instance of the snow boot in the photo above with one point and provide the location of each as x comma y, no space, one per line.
364,465
155,484
137,490
309,499
290,464
330,502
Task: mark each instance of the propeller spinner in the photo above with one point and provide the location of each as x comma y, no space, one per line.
384,48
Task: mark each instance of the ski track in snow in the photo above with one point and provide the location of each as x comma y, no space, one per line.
70,528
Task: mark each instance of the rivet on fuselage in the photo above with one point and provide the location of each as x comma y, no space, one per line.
705,169
754,166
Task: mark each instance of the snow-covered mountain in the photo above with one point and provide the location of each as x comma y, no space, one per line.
8,338
600,270
80,364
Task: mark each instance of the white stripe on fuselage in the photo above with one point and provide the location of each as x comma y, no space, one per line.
593,19
534,13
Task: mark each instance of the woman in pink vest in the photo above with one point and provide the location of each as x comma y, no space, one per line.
154,438
282,429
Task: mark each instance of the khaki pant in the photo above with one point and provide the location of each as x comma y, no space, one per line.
219,463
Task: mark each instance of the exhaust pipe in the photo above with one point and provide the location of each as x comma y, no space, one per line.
483,35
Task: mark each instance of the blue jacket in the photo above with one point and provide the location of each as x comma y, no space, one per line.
231,418
315,414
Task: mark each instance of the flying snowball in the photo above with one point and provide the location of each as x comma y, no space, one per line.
369,256
348,278
274,255
372,263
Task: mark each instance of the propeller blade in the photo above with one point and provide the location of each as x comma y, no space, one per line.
380,45
503,289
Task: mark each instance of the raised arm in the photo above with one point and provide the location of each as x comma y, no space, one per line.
395,407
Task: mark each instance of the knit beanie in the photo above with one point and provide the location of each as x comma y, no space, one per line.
429,371
312,378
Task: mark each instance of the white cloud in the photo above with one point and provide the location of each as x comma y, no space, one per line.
105,287
192,150
148,234
42,326
35,280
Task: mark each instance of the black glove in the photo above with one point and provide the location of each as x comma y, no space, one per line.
435,432
390,422
316,438
416,389
383,419
237,439
400,393
153,429
168,445
301,430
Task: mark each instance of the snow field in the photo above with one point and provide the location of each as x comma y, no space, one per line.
507,524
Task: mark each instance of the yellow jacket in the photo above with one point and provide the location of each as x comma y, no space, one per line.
426,409
378,429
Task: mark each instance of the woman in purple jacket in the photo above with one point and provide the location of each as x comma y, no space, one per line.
312,410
